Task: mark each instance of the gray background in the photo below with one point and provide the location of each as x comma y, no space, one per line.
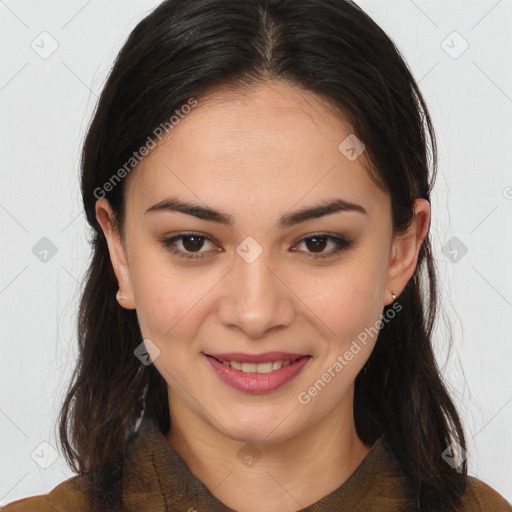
46,102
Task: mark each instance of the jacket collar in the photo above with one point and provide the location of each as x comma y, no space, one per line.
157,479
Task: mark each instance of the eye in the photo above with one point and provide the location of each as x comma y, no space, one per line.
192,244
189,241
318,241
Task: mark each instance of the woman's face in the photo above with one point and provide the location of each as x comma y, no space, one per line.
247,285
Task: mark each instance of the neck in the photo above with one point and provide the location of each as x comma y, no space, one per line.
282,476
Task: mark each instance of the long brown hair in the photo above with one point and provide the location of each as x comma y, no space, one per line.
331,47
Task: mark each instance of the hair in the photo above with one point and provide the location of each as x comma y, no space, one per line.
334,49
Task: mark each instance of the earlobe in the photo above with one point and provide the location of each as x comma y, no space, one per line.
105,217
406,247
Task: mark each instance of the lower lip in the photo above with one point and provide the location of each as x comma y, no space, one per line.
257,382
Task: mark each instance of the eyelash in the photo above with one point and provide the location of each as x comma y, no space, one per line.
342,244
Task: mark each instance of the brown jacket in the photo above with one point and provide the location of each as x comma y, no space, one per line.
156,479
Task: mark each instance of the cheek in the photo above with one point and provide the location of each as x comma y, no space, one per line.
168,306
162,297
172,300
344,301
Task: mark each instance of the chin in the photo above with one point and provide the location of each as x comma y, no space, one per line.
265,436
258,427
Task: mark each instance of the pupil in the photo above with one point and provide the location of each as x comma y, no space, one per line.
316,244
193,245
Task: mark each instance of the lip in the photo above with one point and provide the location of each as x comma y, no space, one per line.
257,382
239,357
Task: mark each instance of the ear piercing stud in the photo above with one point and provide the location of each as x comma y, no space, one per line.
393,294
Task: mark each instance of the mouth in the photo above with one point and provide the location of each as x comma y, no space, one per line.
257,373
248,366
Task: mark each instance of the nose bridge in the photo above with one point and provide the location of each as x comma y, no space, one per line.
256,300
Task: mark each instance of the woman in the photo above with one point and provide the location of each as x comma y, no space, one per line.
255,331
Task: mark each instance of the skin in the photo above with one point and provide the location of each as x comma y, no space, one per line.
257,154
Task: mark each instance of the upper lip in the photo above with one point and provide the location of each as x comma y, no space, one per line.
257,358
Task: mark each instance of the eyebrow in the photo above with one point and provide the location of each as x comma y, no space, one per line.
173,204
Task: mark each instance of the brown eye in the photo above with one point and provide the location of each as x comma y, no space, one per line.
316,244
191,243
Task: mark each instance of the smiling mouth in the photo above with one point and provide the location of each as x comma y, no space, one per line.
262,373
263,367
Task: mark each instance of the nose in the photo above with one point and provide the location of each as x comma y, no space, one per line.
256,299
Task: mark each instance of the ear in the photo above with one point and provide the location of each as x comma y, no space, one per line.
405,250
105,217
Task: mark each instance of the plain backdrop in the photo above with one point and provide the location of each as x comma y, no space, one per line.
55,56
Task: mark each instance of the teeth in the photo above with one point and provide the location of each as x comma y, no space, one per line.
249,367
276,365
256,367
262,367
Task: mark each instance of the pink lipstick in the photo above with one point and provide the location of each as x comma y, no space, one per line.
257,373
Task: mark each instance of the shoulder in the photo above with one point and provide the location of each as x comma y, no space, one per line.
68,495
481,497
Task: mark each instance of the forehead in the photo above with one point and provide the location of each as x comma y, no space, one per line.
273,143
